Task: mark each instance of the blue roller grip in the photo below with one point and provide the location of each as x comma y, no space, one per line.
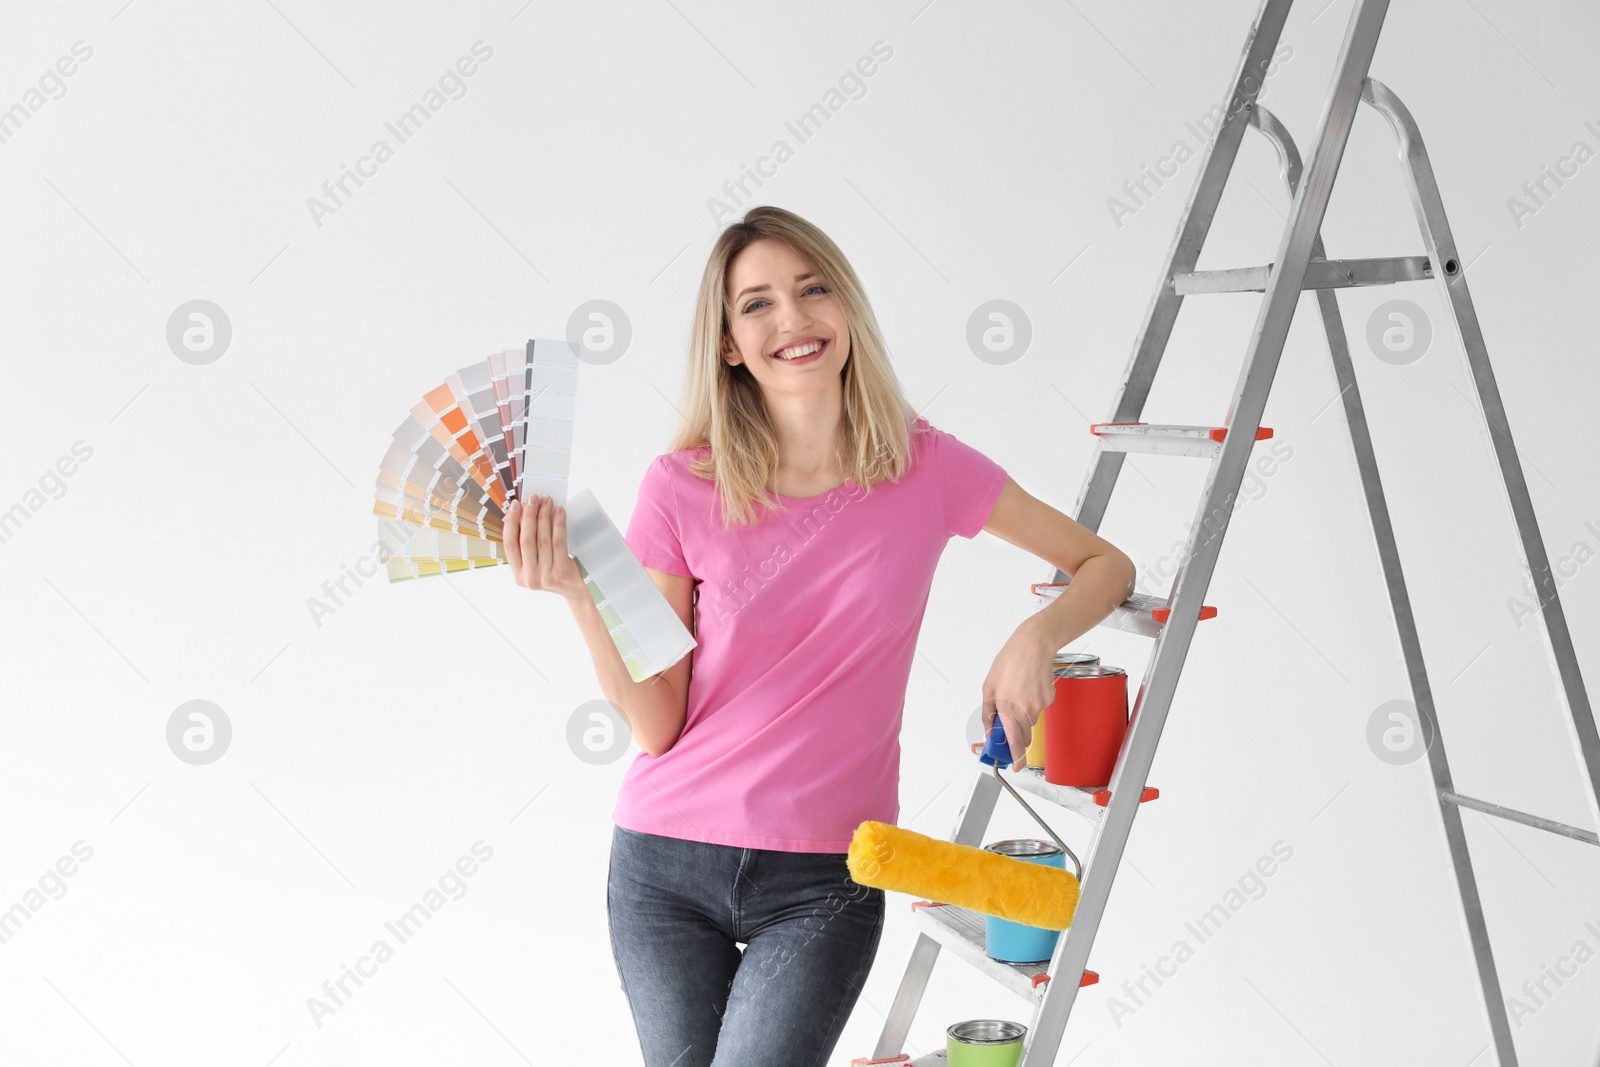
996,751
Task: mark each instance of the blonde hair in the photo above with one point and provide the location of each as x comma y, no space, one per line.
723,410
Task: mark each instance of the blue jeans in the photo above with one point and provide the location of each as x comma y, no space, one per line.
677,909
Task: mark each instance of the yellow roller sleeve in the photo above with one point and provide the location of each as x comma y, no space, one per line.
889,857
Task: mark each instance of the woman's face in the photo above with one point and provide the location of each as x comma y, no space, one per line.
775,300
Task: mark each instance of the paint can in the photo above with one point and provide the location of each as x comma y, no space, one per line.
1088,721
984,1043
1012,942
1063,661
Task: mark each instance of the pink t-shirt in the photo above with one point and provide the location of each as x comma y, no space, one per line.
807,623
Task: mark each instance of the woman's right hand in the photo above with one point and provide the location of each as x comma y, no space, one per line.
536,548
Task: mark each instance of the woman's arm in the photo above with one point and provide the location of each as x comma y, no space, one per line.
657,707
536,548
1020,685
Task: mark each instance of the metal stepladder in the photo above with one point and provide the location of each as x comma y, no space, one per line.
1299,265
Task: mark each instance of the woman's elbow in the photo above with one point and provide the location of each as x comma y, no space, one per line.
1127,574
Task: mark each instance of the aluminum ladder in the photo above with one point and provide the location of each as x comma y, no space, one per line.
1300,264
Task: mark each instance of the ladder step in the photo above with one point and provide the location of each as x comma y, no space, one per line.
932,1059
1139,614
1087,800
961,931
1320,274
1157,439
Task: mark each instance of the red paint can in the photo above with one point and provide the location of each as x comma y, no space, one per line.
1062,661
1087,722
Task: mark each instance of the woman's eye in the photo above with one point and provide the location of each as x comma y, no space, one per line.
755,303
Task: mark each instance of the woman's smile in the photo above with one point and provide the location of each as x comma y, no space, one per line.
813,347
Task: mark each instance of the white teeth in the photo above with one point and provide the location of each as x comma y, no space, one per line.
803,350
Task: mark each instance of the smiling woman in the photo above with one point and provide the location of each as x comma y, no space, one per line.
795,524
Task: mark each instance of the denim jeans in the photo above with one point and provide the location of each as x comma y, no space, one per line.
678,908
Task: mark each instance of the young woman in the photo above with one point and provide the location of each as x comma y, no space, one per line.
795,526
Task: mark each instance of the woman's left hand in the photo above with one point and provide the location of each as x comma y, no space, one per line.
1020,685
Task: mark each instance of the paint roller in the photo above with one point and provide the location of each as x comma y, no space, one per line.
891,857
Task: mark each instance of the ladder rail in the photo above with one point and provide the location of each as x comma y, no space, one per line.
1405,623
1150,708
1161,314
1452,277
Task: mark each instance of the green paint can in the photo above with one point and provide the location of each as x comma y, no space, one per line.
984,1043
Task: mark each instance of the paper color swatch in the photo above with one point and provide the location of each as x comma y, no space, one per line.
502,430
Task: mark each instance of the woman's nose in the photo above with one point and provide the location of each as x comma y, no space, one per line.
791,316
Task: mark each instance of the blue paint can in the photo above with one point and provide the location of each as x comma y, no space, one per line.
1011,942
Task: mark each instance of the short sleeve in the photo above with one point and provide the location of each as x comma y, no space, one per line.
653,529
969,483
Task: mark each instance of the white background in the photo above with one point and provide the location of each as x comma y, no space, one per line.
373,747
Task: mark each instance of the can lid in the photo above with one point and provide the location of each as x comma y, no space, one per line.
986,1031
1075,659
1090,672
1024,847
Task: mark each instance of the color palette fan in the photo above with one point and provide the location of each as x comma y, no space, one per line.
501,430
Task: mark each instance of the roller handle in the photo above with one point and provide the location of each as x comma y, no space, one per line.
997,753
